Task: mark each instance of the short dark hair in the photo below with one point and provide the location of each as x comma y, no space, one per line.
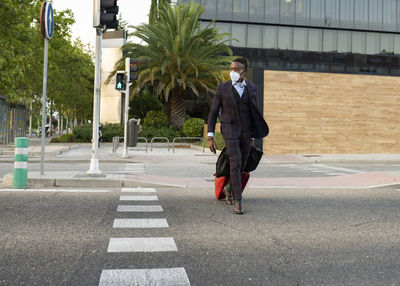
241,60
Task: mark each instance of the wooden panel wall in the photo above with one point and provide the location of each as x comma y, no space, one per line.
331,113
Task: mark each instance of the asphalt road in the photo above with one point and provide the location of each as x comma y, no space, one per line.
285,237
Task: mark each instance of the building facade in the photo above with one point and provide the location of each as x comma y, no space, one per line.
299,47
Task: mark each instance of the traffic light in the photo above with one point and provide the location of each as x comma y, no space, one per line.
105,14
133,68
120,80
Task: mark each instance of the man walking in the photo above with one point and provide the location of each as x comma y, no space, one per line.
241,122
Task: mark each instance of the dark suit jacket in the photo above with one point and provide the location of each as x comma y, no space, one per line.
230,119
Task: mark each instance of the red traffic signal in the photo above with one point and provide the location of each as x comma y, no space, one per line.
133,68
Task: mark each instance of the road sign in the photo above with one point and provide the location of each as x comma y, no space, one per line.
47,20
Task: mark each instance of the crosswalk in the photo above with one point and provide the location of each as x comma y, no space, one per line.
135,168
138,277
323,169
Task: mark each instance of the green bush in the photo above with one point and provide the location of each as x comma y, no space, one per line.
66,138
193,127
219,140
156,119
143,103
150,132
110,130
83,133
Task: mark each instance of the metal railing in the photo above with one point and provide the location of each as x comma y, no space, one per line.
12,121
158,138
186,138
116,140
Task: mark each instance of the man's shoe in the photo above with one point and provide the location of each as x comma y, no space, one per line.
238,207
228,196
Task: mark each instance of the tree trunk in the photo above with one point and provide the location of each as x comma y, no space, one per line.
178,109
66,124
30,119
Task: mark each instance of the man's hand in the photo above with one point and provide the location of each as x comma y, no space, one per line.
212,145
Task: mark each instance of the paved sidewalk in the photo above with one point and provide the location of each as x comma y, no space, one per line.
183,159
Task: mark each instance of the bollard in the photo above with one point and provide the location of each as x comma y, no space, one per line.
20,178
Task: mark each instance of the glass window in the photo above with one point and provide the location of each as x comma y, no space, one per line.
224,28
285,38
270,37
332,13
303,12
358,43
389,15
287,12
375,14
211,9
330,41
346,13
254,36
300,39
361,14
317,12
240,10
397,44
224,9
256,10
387,42
398,17
239,35
372,43
315,40
344,41
272,11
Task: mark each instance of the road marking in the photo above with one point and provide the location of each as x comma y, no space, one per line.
142,244
137,208
135,168
142,277
56,190
139,190
138,198
351,171
140,223
336,174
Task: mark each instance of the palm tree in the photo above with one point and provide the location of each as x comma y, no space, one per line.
177,55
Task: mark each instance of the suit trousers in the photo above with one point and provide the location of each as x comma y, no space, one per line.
238,150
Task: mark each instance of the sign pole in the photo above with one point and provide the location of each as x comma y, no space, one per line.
126,114
44,102
46,29
94,162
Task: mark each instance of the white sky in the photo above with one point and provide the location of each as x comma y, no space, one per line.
133,11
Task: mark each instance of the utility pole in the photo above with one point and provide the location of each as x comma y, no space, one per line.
104,17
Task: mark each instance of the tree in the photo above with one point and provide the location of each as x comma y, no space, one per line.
178,55
154,8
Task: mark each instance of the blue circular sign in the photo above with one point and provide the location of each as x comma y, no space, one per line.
49,20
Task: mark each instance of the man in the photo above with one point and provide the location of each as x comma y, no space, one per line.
241,122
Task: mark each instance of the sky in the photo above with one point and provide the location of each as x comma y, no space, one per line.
133,11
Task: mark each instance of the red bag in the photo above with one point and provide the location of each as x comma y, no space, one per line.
221,182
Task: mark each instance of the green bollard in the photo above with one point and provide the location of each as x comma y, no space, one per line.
20,178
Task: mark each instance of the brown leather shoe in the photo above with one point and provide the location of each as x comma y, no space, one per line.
228,196
238,207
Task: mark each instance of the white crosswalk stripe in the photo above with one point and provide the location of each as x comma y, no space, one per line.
138,198
135,168
142,244
140,223
138,190
137,208
142,277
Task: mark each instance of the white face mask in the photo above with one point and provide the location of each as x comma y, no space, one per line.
234,76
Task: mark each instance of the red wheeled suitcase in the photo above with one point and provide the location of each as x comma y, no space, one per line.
221,182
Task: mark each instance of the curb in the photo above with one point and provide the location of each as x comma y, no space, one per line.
80,183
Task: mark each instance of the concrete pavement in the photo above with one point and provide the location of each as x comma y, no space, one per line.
191,168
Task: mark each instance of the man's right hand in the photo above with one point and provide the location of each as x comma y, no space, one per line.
212,145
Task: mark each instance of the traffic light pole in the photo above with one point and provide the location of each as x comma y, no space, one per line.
127,70
44,102
94,162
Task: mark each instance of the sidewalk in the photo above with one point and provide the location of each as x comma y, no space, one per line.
187,158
